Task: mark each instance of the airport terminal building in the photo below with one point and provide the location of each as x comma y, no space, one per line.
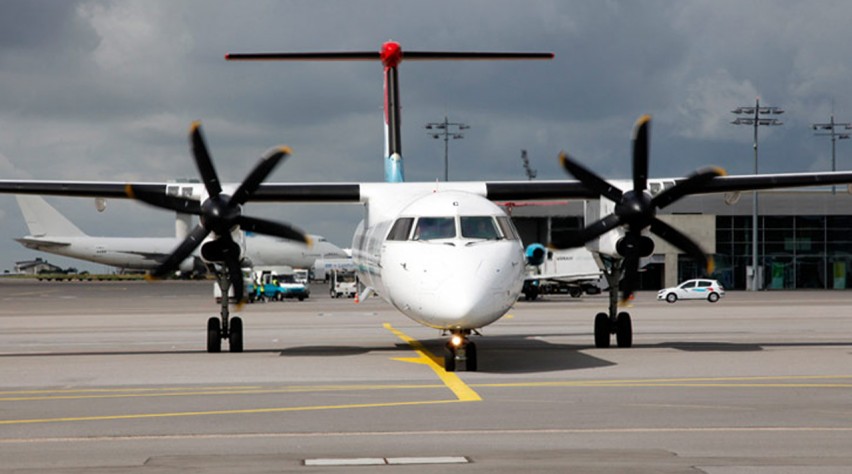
804,237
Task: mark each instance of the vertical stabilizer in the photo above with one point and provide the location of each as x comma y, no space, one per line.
391,55
44,220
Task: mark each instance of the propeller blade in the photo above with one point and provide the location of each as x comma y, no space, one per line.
630,280
184,250
258,175
593,230
203,161
275,229
640,153
681,241
165,201
590,179
691,185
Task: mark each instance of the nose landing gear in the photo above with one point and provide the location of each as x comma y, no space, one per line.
225,326
461,353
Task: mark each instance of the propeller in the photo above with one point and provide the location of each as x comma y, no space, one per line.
636,210
219,214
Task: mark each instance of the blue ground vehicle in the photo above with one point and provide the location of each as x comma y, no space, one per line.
269,286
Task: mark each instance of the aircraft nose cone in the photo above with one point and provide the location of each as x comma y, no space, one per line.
463,287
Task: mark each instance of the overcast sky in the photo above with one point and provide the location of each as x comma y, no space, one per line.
103,90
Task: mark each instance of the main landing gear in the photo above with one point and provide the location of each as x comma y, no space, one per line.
615,322
461,353
224,327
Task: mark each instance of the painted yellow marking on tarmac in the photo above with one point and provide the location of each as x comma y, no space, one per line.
792,381
44,395
249,411
451,380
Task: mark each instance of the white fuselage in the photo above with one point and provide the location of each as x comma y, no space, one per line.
457,279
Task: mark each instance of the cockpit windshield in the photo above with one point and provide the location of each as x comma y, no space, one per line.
432,228
478,227
438,228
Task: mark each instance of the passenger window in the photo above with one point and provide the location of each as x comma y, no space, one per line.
431,228
507,228
478,227
401,228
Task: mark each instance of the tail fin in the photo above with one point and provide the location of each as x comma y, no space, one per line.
44,220
391,55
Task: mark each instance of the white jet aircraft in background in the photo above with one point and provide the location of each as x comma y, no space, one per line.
52,232
443,254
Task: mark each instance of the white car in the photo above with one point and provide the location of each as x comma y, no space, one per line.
698,289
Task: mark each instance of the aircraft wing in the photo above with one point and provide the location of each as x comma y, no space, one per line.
354,192
280,192
538,190
32,243
721,184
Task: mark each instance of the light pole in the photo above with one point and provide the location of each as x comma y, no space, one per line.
531,173
751,116
445,132
832,127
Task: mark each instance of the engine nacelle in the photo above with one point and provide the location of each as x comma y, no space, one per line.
215,250
192,265
534,254
642,246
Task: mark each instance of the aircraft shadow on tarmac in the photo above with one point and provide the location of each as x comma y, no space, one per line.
699,346
496,354
515,354
526,353
337,351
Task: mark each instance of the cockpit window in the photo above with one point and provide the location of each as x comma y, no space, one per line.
507,228
401,228
478,227
431,228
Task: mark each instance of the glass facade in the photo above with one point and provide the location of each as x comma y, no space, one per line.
793,251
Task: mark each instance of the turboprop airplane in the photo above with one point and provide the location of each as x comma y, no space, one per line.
52,232
443,254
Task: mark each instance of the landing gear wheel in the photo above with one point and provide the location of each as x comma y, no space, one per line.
671,297
470,354
602,332
450,359
235,338
214,335
624,330
460,356
713,297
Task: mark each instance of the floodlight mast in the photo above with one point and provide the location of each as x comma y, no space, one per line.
832,128
752,116
444,131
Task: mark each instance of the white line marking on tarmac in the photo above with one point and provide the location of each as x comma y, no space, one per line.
386,461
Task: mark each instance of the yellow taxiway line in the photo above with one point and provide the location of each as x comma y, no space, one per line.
462,391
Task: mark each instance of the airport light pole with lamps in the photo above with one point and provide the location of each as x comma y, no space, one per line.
832,128
749,115
444,131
